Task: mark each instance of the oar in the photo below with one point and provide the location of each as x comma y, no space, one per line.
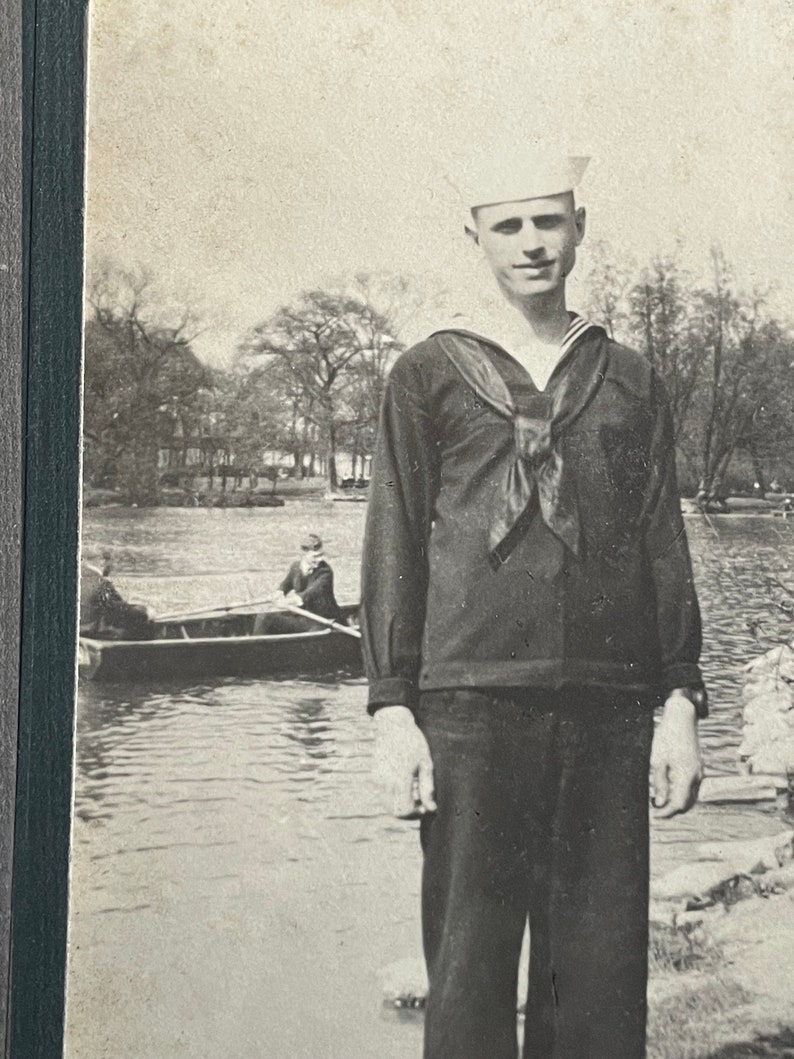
207,612
194,614
325,621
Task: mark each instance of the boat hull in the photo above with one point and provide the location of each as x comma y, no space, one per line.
220,647
147,660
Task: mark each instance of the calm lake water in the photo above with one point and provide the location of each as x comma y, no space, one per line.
235,884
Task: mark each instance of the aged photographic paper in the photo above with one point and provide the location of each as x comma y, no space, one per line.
276,205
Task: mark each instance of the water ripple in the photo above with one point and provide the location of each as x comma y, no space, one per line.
247,808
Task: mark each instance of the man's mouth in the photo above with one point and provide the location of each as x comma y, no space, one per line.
535,266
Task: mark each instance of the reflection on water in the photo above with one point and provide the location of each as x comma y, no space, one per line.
733,558
233,873
231,858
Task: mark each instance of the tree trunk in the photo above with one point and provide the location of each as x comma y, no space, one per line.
716,381
648,319
713,482
300,459
138,474
332,476
312,467
758,470
357,456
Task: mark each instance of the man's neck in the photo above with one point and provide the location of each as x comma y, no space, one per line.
546,317
532,332
543,321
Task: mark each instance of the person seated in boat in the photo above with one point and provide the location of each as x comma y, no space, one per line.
103,610
309,585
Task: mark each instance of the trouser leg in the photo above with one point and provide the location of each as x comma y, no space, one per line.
589,893
473,886
542,809
279,623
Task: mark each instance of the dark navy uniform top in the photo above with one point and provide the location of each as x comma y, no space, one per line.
592,586
315,588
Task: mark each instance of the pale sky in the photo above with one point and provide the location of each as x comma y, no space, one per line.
245,150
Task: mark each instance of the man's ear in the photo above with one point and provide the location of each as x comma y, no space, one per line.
580,221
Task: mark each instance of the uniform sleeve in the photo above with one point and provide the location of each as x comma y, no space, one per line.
116,612
321,589
288,582
678,613
395,566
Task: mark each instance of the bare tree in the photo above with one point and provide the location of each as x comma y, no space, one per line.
738,381
606,284
661,324
141,376
330,352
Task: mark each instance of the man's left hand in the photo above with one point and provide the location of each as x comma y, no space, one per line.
676,763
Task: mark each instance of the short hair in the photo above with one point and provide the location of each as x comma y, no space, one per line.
311,543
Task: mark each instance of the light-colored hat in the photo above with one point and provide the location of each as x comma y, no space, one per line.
518,173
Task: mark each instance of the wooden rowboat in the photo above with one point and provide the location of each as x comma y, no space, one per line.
216,647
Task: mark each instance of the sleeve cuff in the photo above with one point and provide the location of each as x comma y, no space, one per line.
392,691
681,675
687,675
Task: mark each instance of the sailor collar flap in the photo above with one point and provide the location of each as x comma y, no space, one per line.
538,422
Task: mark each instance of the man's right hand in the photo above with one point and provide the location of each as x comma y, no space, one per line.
403,766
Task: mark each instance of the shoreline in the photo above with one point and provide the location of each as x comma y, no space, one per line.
317,489
721,971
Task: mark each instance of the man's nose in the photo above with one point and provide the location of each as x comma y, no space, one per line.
531,245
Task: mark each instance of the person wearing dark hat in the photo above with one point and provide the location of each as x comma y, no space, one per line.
309,584
527,601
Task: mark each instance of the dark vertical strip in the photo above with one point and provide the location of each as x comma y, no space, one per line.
10,456
53,106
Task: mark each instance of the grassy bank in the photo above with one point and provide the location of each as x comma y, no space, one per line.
202,496
292,488
724,989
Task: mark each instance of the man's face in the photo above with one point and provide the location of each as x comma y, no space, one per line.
530,245
309,561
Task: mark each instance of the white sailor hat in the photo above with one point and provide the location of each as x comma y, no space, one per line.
516,174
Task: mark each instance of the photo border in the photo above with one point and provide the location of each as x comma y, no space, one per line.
44,62
10,457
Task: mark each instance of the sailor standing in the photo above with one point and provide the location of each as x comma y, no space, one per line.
527,602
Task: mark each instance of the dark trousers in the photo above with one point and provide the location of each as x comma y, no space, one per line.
542,814
279,623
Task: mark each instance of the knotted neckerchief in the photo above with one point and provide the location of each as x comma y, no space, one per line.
538,464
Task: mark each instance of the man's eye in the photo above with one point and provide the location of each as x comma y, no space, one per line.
507,227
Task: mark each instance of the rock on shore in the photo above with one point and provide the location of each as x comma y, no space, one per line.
768,705
687,913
